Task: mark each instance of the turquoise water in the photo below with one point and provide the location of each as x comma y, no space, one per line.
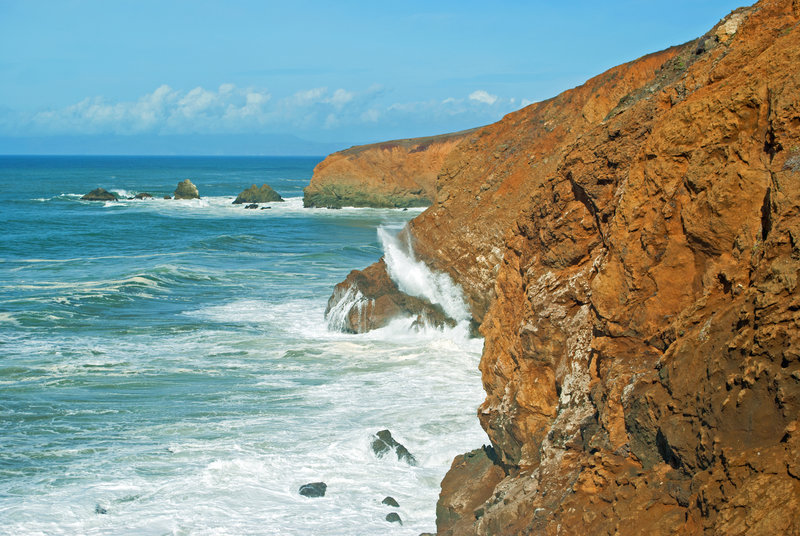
166,367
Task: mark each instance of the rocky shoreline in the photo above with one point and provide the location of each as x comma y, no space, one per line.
631,252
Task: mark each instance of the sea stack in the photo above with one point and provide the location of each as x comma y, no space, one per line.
186,190
265,194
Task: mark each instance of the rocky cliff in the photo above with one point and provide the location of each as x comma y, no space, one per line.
631,251
399,173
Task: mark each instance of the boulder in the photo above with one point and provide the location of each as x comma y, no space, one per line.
389,501
265,194
143,195
99,194
167,197
384,443
252,206
313,489
186,190
394,517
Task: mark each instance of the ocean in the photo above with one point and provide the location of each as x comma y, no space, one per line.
166,366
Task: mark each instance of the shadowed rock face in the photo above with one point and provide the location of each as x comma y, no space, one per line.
399,173
632,251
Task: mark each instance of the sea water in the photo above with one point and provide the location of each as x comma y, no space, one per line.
166,367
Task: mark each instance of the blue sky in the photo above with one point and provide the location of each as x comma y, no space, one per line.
147,74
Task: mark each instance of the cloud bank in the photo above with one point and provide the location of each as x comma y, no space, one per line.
229,109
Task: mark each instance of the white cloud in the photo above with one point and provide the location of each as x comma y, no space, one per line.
232,109
483,96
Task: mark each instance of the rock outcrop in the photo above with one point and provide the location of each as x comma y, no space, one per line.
399,173
631,249
186,190
99,194
254,194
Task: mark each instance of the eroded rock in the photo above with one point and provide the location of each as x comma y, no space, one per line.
254,194
99,194
384,443
313,489
186,190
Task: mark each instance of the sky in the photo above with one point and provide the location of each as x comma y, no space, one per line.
302,77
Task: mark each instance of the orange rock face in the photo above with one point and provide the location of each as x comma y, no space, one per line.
400,173
631,250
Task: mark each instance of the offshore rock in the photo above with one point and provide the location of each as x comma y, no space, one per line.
313,489
394,517
385,443
264,194
369,299
390,501
143,195
186,190
399,173
99,194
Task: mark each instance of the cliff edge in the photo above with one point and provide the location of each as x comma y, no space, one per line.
399,173
631,251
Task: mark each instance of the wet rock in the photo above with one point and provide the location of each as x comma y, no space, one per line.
394,517
378,302
265,208
390,501
313,489
98,509
186,190
99,194
468,484
167,197
385,443
252,206
265,194
143,195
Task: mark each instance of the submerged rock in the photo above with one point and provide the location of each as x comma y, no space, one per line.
99,194
98,509
313,489
143,195
265,194
167,197
394,517
186,190
384,443
389,501
252,206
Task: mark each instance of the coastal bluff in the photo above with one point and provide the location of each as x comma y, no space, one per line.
631,252
394,174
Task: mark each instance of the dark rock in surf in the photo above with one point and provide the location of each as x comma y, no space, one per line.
167,197
143,195
265,194
99,509
265,208
186,190
252,206
394,517
384,443
389,501
99,194
313,489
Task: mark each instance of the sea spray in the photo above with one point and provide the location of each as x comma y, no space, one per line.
344,303
416,279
